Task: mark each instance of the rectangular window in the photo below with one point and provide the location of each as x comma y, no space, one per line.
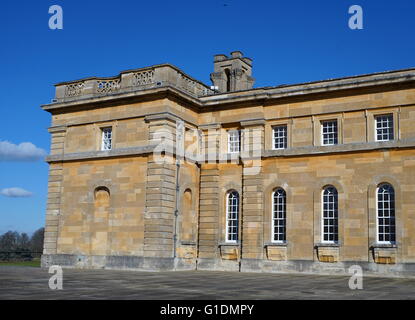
329,132
106,143
384,127
234,141
280,137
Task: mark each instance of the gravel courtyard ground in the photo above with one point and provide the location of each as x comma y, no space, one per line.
32,283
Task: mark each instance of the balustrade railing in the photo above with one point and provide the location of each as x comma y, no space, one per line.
164,75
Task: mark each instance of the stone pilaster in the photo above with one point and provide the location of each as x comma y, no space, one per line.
209,211
54,192
160,207
253,190
159,216
210,143
57,140
209,193
162,128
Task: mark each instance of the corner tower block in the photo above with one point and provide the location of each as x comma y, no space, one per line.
232,73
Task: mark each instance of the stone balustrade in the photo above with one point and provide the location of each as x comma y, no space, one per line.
129,81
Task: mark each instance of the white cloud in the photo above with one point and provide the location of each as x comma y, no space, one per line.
25,151
16,193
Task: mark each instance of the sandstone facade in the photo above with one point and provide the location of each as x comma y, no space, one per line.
158,198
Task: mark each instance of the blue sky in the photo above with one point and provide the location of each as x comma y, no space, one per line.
290,41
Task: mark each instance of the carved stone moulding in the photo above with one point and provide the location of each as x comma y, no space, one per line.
229,251
384,254
328,252
276,251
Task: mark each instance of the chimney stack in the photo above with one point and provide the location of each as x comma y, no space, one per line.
232,73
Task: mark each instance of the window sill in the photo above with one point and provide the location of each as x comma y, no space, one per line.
384,245
275,244
229,244
328,244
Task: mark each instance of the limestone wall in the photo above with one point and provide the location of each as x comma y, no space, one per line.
92,224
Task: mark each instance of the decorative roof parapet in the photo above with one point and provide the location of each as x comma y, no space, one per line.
138,82
129,81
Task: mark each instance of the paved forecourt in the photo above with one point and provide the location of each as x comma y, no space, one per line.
33,283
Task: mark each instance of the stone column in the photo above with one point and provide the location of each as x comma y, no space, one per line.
253,196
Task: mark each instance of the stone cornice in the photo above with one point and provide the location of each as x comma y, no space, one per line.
210,126
238,157
92,155
253,122
340,148
162,116
325,86
260,94
57,129
111,99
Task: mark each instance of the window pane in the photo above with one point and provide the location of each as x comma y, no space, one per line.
386,213
234,141
329,132
106,139
330,214
279,215
384,127
280,137
232,216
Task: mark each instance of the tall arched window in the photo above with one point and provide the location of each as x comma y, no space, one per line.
330,222
279,215
232,216
386,213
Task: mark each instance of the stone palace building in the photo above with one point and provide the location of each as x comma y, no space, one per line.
154,170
